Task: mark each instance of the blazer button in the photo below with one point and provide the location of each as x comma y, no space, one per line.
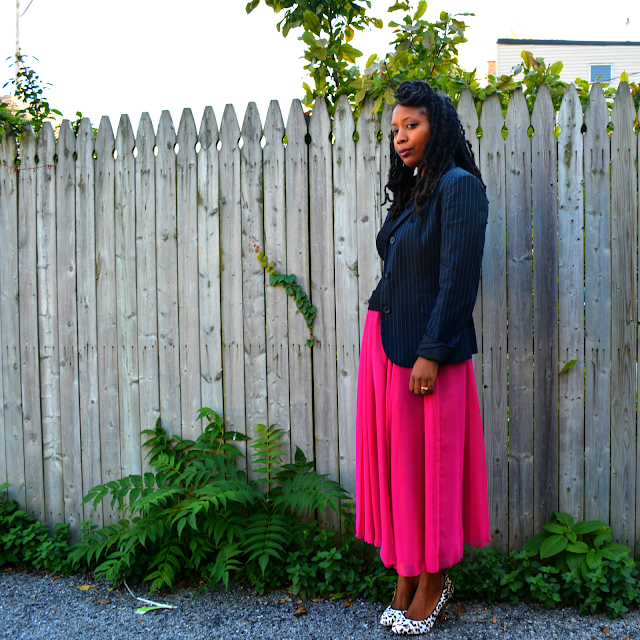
386,275
392,240
387,310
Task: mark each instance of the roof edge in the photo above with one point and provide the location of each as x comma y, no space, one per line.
578,43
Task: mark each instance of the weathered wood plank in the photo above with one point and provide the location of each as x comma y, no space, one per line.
3,457
520,306
146,283
368,205
385,162
87,318
209,264
107,311
297,196
48,327
188,301
30,362
544,155
167,277
623,321
231,279
346,286
325,406
10,320
469,119
494,320
597,238
253,275
571,289
125,219
275,244
68,328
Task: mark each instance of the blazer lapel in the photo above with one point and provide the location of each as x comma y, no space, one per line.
403,216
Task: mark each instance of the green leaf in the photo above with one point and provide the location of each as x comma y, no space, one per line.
569,365
372,58
252,5
552,546
588,527
564,518
399,6
533,545
555,527
555,68
311,22
578,547
422,7
310,343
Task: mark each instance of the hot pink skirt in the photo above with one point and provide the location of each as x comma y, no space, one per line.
421,474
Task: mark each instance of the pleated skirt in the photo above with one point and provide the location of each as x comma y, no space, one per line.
421,474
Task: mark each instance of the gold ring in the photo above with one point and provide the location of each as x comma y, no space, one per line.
425,388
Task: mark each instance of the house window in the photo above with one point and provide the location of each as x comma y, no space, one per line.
602,70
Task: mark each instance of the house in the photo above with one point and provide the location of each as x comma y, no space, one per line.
587,59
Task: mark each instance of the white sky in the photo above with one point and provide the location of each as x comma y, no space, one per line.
130,56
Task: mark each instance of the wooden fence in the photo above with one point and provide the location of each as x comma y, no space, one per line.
129,290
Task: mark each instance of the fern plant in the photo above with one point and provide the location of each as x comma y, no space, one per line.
198,514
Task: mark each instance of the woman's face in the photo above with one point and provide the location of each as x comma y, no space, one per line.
411,130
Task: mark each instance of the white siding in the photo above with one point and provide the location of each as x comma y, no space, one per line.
576,59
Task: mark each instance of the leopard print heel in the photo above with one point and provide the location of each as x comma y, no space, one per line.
409,627
390,616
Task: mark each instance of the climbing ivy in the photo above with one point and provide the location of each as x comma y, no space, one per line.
291,287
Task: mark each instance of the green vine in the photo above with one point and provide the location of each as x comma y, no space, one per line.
291,287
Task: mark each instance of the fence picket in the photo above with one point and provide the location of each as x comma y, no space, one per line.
146,283
275,247
106,305
544,155
28,302
385,162
571,308
597,238
323,296
10,320
297,217
68,327
48,327
87,318
368,205
623,326
125,208
469,119
167,277
209,265
494,320
520,305
346,288
255,355
231,278
188,301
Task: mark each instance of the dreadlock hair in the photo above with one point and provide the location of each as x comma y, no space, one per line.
446,142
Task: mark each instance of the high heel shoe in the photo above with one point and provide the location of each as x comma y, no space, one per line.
408,627
390,616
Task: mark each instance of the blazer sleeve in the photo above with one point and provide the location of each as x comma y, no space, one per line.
463,221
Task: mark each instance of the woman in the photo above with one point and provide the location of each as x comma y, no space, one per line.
421,480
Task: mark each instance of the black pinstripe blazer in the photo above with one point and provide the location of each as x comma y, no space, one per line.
431,272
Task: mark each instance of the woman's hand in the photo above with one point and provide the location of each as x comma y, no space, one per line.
423,376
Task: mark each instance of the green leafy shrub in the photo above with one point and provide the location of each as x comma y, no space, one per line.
555,567
198,515
26,541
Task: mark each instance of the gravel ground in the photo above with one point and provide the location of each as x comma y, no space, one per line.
38,605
